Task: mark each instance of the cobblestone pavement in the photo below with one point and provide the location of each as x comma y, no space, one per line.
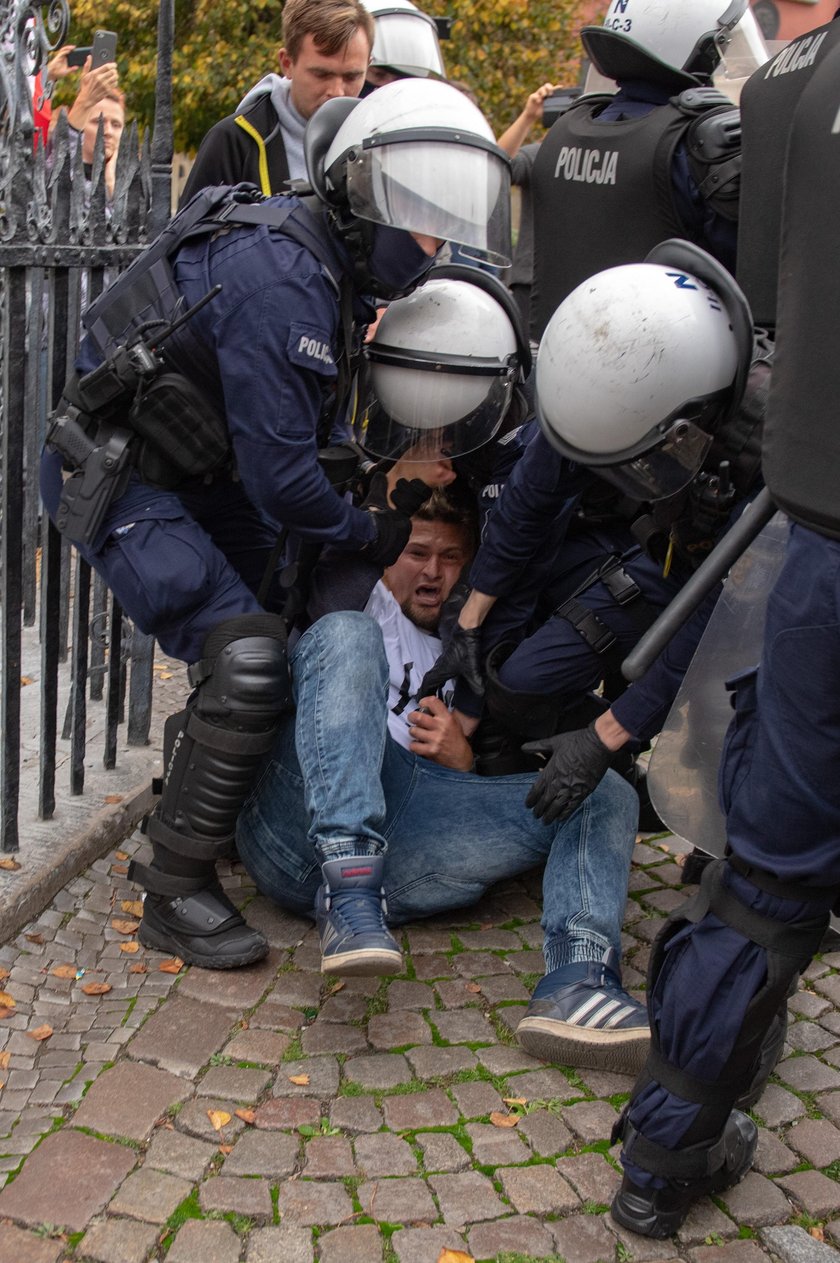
268,1115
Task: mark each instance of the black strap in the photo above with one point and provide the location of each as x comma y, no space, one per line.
183,844
170,885
695,1163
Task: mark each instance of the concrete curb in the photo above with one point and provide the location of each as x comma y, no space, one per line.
36,888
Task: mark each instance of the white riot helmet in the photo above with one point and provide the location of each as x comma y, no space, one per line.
676,43
405,39
442,367
639,366
415,155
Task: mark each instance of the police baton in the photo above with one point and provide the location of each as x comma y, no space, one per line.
735,542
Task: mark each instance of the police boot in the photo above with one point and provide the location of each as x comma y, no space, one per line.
350,914
683,1174
212,752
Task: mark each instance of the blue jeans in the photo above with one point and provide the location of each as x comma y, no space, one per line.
337,784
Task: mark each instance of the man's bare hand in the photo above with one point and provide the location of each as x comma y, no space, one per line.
422,461
93,88
57,67
438,736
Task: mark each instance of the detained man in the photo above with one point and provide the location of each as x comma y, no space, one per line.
368,813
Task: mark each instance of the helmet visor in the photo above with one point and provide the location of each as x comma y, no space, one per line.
408,42
429,183
664,470
744,51
414,414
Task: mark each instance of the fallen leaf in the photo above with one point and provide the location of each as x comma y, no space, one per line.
132,906
34,938
817,1233
226,1149
119,855
125,927
139,968
96,988
339,986
300,1080
218,1118
64,971
119,869
165,675
2,1084
247,1116
130,948
26,679
173,966
5,1058
454,1256
515,1100
473,987
503,1120
8,1001
6,1013
9,864
41,1032
4,973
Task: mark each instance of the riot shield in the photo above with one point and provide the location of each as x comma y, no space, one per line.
682,774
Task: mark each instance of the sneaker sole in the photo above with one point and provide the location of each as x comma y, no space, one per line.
363,963
590,1048
165,941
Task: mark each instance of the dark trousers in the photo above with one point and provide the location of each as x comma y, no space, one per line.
780,788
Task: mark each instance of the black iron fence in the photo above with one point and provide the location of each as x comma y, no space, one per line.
61,238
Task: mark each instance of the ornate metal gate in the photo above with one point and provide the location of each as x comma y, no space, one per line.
59,243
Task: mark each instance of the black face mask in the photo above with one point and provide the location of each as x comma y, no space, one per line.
396,262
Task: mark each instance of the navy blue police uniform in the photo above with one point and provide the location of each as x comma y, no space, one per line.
264,351
723,966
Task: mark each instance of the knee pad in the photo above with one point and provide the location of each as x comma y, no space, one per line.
214,747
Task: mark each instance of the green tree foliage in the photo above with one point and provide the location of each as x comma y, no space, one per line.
502,49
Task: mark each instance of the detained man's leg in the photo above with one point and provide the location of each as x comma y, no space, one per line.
176,585
579,1014
340,677
722,966
451,835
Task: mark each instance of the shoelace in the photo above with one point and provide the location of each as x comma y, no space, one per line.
361,910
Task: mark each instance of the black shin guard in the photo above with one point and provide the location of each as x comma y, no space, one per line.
213,751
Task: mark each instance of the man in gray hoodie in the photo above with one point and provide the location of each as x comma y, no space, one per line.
325,53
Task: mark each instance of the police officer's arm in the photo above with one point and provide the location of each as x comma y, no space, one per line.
643,708
277,365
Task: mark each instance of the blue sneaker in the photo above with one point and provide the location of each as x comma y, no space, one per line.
350,915
580,1015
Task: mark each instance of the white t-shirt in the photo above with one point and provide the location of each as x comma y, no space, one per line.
411,652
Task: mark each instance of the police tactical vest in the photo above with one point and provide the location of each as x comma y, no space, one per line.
602,193
802,431
768,102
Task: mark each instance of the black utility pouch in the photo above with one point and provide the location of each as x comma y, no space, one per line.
182,436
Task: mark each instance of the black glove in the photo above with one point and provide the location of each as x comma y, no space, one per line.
461,657
577,762
393,526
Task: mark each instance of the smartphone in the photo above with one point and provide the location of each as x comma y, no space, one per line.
79,56
104,48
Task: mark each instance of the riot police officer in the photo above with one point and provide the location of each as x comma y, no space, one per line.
259,377
617,174
727,961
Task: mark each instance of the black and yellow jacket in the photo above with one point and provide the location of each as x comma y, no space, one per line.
247,146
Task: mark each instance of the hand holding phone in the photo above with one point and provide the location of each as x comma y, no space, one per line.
104,48
78,56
